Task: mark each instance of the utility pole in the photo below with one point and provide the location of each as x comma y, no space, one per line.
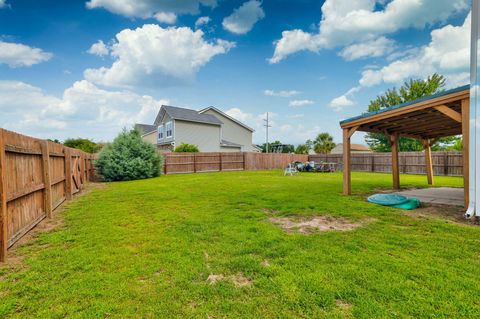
267,125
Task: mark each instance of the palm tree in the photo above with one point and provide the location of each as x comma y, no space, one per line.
323,144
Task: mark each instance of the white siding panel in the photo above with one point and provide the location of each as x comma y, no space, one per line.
206,137
233,132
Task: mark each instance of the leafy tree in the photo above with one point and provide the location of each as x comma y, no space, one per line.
128,157
83,144
323,143
411,90
450,143
54,140
302,149
187,148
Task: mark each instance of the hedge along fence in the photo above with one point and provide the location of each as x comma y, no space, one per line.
444,163
36,177
176,163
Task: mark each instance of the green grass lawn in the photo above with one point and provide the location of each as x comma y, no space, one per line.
146,248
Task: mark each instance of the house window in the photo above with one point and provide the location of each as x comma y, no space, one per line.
160,132
168,128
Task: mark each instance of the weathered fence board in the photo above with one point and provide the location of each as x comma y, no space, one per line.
176,163
35,178
444,163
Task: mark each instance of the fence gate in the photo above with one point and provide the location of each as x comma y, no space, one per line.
77,175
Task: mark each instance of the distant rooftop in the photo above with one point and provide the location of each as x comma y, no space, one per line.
179,113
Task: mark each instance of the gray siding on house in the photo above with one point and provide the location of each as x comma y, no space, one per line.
205,136
234,132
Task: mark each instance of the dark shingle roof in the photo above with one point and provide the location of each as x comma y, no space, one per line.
145,128
178,113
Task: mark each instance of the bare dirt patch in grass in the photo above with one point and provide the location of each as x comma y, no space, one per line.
239,280
308,225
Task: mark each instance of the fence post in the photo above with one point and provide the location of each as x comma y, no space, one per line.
194,163
373,162
68,172
165,160
3,201
244,161
47,194
221,164
445,164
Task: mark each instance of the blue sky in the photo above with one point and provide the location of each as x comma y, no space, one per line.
309,63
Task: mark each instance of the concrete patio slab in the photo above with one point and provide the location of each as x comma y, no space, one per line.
440,195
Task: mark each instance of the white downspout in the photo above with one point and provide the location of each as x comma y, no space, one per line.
474,151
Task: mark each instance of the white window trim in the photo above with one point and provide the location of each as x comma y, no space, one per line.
160,130
166,129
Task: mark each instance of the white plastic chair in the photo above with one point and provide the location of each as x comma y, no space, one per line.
290,170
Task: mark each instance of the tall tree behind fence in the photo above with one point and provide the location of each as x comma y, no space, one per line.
444,163
176,163
36,177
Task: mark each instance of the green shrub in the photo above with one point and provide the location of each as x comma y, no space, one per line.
128,157
187,148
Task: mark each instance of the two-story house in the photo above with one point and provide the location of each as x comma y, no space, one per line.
210,129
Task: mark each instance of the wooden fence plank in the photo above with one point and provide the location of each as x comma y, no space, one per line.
3,202
35,178
47,193
443,163
68,173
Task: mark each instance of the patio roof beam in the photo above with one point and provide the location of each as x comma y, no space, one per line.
454,115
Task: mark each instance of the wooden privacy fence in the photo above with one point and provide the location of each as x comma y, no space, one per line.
36,177
216,162
444,163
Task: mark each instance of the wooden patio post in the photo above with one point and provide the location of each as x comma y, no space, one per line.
428,160
3,201
466,142
47,199
347,179
395,166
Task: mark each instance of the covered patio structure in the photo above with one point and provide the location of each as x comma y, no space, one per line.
427,119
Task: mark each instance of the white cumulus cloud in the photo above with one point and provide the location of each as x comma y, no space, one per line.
202,21
345,22
163,9
18,55
99,48
447,53
375,48
145,56
300,102
340,102
82,109
166,17
244,17
281,93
